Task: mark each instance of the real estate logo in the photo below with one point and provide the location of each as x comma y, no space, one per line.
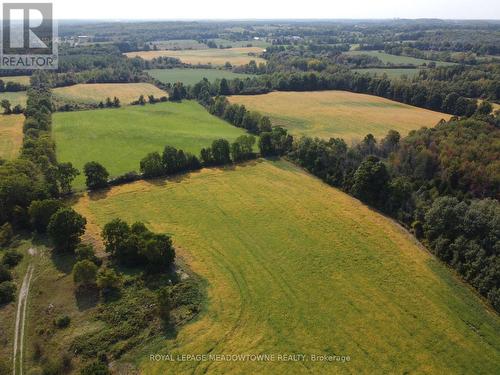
29,37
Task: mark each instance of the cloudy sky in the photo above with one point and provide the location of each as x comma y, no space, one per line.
265,9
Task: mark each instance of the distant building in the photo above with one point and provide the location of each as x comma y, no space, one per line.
83,39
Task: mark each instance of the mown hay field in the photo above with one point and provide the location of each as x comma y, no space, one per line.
11,135
23,80
96,92
192,76
342,114
296,267
120,138
214,56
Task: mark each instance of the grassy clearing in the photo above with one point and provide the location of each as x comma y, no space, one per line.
192,76
23,80
214,56
97,92
387,58
11,135
341,114
241,43
120,138
179,44
52,296
295,266
391,73
14,98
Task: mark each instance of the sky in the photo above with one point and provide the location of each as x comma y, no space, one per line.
269,9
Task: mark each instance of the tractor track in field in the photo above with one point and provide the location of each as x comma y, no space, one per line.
22,303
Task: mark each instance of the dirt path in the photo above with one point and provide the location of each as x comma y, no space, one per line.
21,318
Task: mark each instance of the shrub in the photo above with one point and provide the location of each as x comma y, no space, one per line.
41,211
6,234
86,251
164,305
95,368
84,273
108,279
11,258
62,321
5,274
7,292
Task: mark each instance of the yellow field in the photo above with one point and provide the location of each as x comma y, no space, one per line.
343,114
296,267
96,92
214,56
11,135
23,80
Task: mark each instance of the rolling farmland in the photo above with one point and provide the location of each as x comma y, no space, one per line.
294,266
120,138
214,56
341,114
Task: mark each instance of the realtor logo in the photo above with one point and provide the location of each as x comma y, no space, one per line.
28,37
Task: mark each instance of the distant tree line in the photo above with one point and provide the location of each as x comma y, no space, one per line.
11,86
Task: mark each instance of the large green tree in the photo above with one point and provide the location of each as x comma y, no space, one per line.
371,181
65,228
96,175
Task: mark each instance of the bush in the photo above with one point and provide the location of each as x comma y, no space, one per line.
41,211
7,292
95,368
11,258
6,234
62,321
5,274
125,178
84,252
4,369
84,273
108,279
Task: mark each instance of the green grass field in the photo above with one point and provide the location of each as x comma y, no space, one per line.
214,56
97,92
192,76
11,135
391,73
120,138
343,114
14,98
297,267
387,58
